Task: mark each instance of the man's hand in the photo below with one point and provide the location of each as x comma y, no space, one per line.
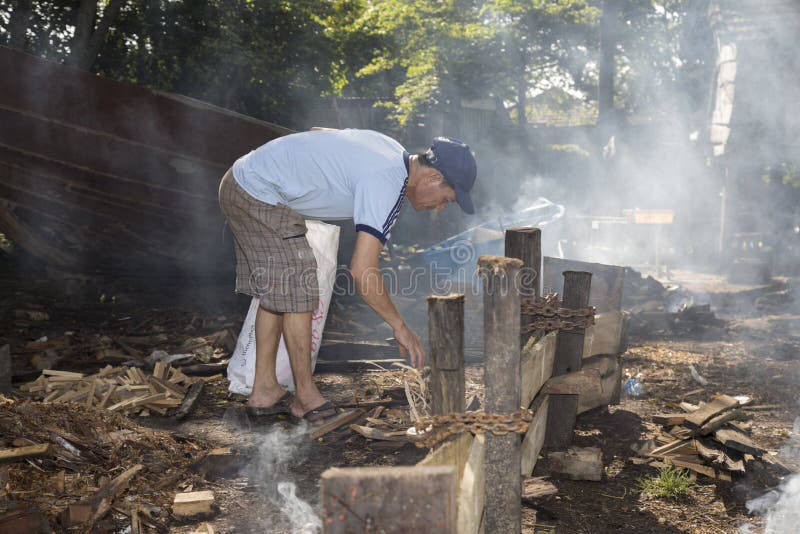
410,346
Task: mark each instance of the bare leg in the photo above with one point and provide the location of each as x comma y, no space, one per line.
297,335
266,390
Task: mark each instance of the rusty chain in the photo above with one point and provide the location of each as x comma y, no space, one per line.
438,428
548,315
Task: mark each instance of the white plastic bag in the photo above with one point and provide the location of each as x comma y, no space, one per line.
324,241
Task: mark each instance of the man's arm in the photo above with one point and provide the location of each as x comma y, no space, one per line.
367,277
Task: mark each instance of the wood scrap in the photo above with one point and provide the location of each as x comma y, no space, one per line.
718,457
89,510
335,422
120,389
717,422
189,400
193,503
738,441
578,463
23,453
533,487
380,435
720,404
669,419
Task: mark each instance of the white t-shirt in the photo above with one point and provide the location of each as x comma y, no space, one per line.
331,174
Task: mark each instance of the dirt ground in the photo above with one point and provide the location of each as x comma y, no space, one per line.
756,354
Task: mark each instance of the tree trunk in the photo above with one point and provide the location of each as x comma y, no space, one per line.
522,93
18,24
89,38
608,45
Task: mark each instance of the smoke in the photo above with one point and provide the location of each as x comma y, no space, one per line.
780,506
278,450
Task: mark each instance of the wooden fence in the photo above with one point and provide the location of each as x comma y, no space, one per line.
472,483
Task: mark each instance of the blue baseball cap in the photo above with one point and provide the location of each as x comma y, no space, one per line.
453,159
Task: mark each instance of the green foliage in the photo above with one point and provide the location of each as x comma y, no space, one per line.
271,59
671,483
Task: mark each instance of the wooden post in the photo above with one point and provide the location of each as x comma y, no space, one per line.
563,409
446,338
526,244
501,324
389,499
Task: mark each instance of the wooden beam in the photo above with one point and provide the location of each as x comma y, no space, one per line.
536,366
391,499
586,384
562,410
453,453
534,438
717,422
501,323
471,494
446,335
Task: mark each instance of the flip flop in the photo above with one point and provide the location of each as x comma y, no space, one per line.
281,406
320,413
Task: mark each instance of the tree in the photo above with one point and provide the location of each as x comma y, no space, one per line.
544,42
91,31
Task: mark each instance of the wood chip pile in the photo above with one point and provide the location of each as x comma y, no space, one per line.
120,389
74,465
711,439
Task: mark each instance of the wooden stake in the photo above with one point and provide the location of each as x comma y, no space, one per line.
526,244
501,323
562,410
446,335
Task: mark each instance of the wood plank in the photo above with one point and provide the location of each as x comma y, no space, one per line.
718,457
717,422
738,441
22,453
533,441
332,424
674,448
536,366
692,465
669,419
720,404
453,452
396,499
586,384
472,488
605,335
607,281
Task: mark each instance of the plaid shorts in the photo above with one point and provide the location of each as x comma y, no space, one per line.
274,261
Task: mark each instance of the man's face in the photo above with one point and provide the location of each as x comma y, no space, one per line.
432,193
